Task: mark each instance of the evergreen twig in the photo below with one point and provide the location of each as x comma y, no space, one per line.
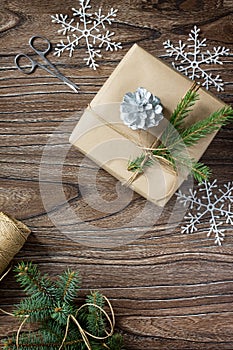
202,128
182,110
50,304
97,327
176,137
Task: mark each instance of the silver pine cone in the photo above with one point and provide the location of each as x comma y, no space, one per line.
141,109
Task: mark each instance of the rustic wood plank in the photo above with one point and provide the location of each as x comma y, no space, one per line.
169,291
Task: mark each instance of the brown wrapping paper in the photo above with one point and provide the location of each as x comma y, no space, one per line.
101,135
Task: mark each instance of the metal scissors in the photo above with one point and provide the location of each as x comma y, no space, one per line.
34,64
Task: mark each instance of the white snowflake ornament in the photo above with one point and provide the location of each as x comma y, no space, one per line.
87,29
215,205
190,58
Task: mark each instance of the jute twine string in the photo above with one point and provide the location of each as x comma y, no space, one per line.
82,331
148,151
13,235
148,155
1,278
85,333
10,314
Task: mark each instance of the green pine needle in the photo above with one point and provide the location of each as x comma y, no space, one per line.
33,283
95,314
42,340
194,133
50,304
139,165
200,171
68,285
176,123
34,308
115,342
184,107
176,137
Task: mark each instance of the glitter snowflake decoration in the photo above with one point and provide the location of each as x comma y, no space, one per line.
191,62
216,205
86,29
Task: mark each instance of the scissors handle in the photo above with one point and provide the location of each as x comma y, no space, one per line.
38,51
42,53
24,69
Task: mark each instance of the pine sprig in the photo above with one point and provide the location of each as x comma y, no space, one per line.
32,341
178,116
184,107
95,320
115,342
33,283
200,171
176,137
34,309
42,340
139,164
51,304
201,129
68,284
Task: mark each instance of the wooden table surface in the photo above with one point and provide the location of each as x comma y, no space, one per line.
169,291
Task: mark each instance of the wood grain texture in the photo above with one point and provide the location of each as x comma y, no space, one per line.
169,291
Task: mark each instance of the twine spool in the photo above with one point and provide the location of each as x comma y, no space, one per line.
13,235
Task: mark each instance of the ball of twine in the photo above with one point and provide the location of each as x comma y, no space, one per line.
13,235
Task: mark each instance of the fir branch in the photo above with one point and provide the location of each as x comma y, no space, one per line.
139,164
182,161
33,283
53,328
42,340
50,305
180,113
95,320
184,106
201,129
115,342
175,137
61,312
67,286
34,308
200,171
32,341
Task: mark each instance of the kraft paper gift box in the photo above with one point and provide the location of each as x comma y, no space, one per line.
101,135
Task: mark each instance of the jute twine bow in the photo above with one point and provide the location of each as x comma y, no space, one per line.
148,152
85,333
13,235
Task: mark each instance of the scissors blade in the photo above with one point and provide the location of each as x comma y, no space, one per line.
71,85
57,74
53,69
